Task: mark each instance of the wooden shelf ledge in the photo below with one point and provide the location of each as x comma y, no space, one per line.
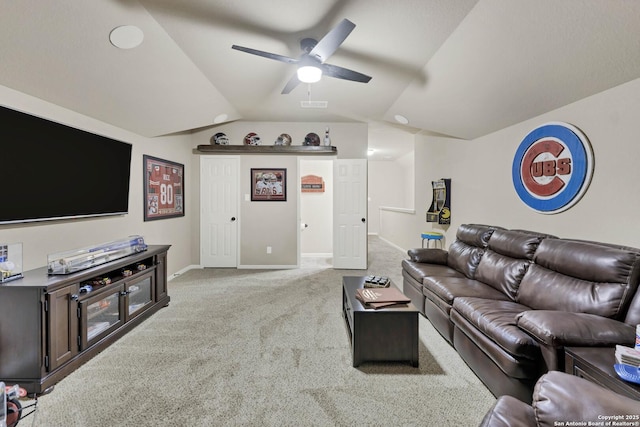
296,150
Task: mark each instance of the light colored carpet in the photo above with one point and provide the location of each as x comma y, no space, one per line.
263,348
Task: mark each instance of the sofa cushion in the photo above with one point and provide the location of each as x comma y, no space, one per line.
419,270
502,272
464,258
430,255
477,235
555,400
448,288
515,244
497,321
581,277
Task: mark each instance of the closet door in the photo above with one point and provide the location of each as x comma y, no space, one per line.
219,211
350,214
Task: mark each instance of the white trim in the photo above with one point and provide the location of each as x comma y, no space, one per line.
401,210
184,270
393,244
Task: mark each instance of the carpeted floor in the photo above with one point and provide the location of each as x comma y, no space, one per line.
263,348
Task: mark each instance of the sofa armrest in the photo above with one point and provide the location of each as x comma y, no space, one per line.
509,412
559,397
428,255
566,329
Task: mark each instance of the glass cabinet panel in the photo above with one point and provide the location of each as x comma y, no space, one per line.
140,294
99,315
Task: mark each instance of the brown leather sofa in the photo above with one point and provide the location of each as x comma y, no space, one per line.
561,399
510,301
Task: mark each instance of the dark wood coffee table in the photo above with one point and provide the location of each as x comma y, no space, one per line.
596,365
383,335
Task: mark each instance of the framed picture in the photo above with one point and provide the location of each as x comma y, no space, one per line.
268,185
163,188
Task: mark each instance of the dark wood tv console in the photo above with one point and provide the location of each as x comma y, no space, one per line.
49,327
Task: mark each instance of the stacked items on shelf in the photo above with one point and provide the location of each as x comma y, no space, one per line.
628,363
381,298
628,356
376,282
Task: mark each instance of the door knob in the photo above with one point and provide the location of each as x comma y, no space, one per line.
233,218
363,220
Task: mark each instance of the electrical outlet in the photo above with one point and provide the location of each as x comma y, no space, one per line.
268,249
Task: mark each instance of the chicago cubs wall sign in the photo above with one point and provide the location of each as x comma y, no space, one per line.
552,167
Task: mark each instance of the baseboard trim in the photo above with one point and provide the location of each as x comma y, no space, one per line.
392,244
184,270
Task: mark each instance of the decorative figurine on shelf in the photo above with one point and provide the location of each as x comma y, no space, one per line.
283,139
327,138
219,139
252,139
312,139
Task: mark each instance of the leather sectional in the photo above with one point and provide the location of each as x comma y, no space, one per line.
555,404
510,301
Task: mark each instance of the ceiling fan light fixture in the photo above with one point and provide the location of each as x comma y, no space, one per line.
309,74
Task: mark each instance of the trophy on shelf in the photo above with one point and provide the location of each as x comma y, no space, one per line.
91,256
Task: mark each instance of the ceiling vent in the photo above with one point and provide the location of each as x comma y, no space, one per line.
314,104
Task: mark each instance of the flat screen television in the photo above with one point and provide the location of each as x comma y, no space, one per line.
51,171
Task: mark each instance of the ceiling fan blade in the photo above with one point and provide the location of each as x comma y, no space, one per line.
268,55
332,40
344,73
291,84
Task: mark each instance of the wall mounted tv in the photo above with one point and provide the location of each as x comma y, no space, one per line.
51,171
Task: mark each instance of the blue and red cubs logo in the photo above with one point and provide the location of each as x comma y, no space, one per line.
552,167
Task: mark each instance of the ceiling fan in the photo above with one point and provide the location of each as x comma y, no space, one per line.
311,64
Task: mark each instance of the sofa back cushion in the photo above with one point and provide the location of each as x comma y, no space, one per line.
581,277
466,251
506,260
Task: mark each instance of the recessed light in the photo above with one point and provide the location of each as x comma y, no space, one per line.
401,119
220,118
126,37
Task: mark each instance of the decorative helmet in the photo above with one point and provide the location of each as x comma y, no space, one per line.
283,139
312,139
220,139
252,139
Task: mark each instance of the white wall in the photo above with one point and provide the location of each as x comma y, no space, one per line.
482,188
387,187
43,238
316,210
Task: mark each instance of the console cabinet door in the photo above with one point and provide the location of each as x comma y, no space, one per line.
140,294
100,315
62,326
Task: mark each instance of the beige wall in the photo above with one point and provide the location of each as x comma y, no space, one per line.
273,224
43,238
482,188
277,224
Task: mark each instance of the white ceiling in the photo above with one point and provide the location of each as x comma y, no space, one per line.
463,68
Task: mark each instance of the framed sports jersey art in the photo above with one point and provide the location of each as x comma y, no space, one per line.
163,188
268,185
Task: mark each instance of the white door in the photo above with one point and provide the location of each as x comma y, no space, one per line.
350,214
219,211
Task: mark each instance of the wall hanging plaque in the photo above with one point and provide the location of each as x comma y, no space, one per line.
268,185
163,188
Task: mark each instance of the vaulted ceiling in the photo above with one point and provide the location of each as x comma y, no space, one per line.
462,68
